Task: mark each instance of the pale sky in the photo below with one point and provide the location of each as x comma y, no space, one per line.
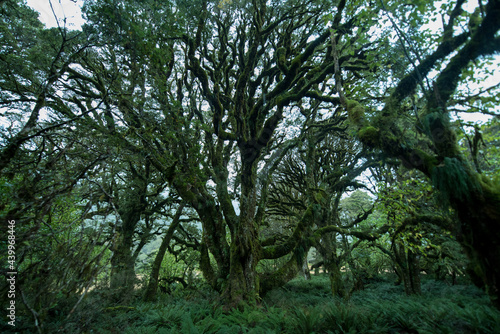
68,9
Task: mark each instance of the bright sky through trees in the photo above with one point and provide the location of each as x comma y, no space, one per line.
63,9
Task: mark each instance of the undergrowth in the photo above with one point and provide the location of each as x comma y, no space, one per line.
300,307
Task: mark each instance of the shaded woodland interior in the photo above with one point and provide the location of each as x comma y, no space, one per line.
198,162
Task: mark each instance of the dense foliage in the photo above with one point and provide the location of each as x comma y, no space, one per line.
215,150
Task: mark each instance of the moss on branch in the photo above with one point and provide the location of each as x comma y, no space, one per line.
355,112
277,251
370,136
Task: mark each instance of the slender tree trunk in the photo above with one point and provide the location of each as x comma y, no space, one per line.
414,272
305,269
357,275
401,267
152,287
408,269
440,273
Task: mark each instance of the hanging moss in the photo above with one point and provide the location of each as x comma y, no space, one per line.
369,135
299,253
281,53
453,181
355,112
427,160
431,121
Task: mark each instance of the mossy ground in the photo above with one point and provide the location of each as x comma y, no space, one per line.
299,307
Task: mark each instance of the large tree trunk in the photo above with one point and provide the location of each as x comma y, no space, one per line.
243,283
480,236
336,284
331,263
122,277
475,198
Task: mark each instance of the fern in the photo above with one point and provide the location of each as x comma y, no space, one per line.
307,321
345,318
188,326
381,308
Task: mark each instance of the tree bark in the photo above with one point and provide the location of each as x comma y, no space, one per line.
480,236
243,283
331,264
122,277
408,269
305,269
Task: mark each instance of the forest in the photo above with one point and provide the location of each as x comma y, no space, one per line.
251,166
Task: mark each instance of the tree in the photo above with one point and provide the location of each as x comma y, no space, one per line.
417,224
218,108
135,193
33,63
310,183
210,97
58,255
475,197
152,287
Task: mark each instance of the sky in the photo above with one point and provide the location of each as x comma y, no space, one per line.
69,9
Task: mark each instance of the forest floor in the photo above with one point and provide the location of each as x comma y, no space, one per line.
299,307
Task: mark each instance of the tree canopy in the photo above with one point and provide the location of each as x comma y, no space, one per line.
249,133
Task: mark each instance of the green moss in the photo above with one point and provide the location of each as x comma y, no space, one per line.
429,161
492,184
320,196
279,100
355,112
453,181
369,135
281,53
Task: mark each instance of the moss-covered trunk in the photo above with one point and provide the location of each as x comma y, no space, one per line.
336,284
331,262
480,236
122,277
475,199
243,282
